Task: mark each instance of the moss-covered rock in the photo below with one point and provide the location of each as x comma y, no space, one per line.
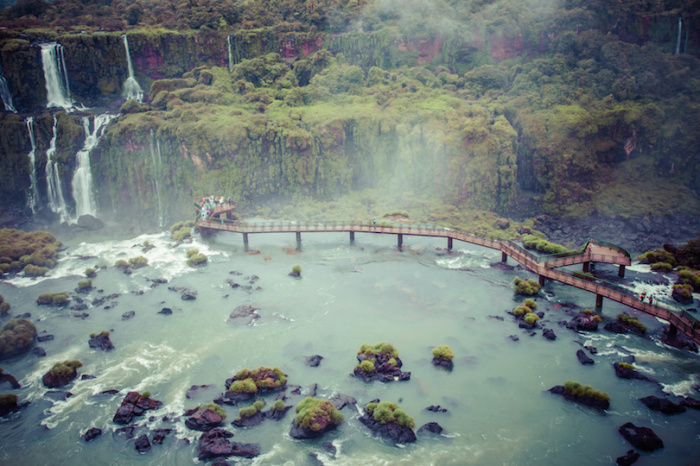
314,417
526,287
379,362
388,420
583,394
16,336
55,299
248,383
61,374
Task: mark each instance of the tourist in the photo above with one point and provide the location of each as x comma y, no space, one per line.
374,222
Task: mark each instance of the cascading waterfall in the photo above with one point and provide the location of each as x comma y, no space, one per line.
83,191
230,40
57,202
6,94
157,161
33,196
56,76
132,90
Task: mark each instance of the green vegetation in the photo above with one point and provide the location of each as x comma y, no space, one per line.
4,306
690,277
278,405
103,333
531,318
661,267
627,319
367,365
182,234
138,262
146,395
66,369
386,411
528,306
316,414
386,349
196,259
526,287
585,391
35,271
251,411
16,336
296,269
191,252
214,407
542,245
57,299
34,253
90,272
627,366
683,290
8,402
658,256
443,352
85,285
263,378
121,264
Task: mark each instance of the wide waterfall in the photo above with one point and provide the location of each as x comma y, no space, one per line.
6,94
230,40
57,202
83,191
56,76
33,196
157,168
132,90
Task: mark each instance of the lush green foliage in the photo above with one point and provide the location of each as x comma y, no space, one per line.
197,259
656,256
526,287
296,269
138,262
367,365
531,318
103,333
214,407
90,272
684,290
625,365
316,414
66,369
16,335
443,352
38,249
146,395
627,319
542,245
247,381
386,411
380,348
85,284
585,391
661,267
53,298
35,271
278,405
690,277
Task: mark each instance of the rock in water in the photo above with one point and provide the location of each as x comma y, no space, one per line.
662,405
142,444
583,358
92,433
216,444
642,438
89,222
134,405
630,458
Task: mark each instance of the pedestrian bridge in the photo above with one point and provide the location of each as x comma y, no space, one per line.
546,267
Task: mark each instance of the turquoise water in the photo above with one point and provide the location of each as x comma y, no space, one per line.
349,294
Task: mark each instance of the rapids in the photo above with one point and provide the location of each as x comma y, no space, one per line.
348,294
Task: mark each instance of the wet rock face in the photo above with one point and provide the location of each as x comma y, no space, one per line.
642,438
101,341
662,405
134,405
390,431
216,444
204,420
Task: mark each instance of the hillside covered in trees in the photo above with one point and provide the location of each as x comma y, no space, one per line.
581,107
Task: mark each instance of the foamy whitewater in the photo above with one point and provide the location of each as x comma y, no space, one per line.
499,410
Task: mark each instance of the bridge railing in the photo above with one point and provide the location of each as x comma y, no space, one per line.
613,246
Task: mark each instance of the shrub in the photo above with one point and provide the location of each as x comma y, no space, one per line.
661,267
85,284
690,277
526,287
684,290
121,264
17,335
197,259
521,310
627,319
146,395
244,386
396,213
192,252
316,414
4,308
278,405
443,352
53,298
214,407
182,234
585,391
625,365
658,255
386,411
530,303
296,270
90,272
35,271
138,262
367,365
380,348
597,319
542,245
246,381
176,226
531,318
66,368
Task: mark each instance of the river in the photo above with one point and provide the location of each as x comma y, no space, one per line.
499,410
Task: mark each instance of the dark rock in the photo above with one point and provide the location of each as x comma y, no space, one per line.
204,420
159,435
195,390
166,311
583,358
51,380
5,377
662,405
101,341
624,372
58,395
44,337
314,361
430,428
81,315
127,431
185,293
88,222
548,333
87,377
100,301
142,444
277,414
496,318
616,327
447,365
583,322
514,337
678,296
642,438
295,389
691,403
436,409
592,402
384,371
390,431
328,447
134,405
630,458
300,433
295,274
128,315
79,307
340,401
313,388
249,421
91,434
109,392
39,351
678,340
592,349
244,315
216,444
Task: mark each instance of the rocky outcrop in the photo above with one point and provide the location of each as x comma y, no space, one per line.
216,444
134,405
101,341
583,358
592,402
390,431
91,434
244,314
203,419
7,378
662,405
314,361
430,428
628,459
642,438
624,371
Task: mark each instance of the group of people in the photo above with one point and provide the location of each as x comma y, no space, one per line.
644,295
210,203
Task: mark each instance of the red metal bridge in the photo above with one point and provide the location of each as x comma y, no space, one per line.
546,267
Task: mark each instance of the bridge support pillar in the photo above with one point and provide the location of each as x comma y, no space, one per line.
504,257
599,301
672,330
352,236
621,271
245,241
449,243
586,266
542,278
400,240
298,234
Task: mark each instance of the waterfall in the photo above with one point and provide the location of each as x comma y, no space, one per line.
56,76
230,40
6,94
157,164
83,191
132,90
678,41
57,202
33,196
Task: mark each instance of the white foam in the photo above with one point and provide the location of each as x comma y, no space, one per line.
682,388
